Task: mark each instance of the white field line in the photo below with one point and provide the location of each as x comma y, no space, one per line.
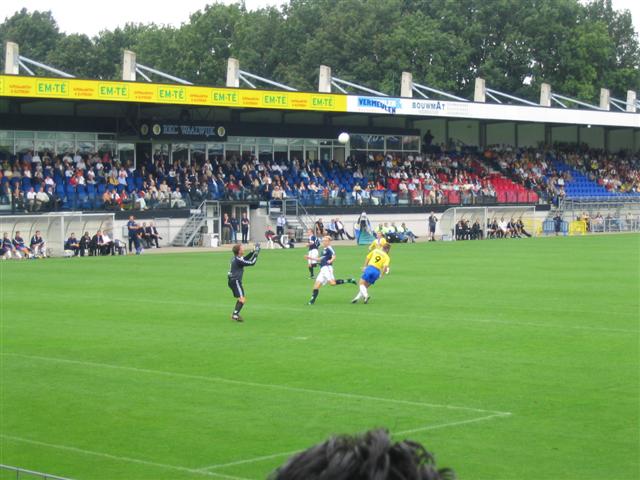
404,432
256,384
119,458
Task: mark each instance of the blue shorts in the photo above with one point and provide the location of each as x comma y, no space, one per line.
370,275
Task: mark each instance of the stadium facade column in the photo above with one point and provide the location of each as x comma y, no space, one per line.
482,134
631,101
406,85
129,66
11,59
515,134
545,95
480,91
233,73
605,96
324,79
547,134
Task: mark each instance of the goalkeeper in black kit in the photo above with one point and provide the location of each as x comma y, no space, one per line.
236,270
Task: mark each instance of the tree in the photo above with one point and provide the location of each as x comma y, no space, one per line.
36,33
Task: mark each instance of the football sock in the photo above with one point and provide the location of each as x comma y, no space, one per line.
363,291
239,306
314,295
311,271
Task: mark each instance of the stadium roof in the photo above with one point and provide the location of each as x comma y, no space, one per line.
16,86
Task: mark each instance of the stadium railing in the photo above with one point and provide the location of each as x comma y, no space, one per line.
18,473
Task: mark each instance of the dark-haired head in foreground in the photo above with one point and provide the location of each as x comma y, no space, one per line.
372,456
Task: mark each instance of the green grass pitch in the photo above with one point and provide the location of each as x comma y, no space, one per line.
513,359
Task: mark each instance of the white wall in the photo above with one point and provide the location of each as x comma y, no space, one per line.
437,127
501,134
621,140
594,136
416,222
467,131
530,134
568,134
168,228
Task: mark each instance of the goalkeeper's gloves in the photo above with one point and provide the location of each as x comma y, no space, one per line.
257,249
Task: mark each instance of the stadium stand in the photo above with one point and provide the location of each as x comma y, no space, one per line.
43,181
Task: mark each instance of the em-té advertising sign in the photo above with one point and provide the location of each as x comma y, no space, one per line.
74,89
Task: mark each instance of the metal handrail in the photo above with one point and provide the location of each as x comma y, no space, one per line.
18,471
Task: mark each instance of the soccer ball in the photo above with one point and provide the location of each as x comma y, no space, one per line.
343,138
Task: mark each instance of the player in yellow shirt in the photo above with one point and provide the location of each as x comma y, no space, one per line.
376,265
379,242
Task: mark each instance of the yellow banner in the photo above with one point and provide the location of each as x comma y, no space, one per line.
72,89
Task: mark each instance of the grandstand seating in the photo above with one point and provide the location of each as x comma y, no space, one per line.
580,186
500,176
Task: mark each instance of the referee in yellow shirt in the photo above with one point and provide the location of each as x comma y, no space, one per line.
376,265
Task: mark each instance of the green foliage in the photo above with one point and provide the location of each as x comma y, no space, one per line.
514,44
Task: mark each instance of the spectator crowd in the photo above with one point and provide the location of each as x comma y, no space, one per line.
36,181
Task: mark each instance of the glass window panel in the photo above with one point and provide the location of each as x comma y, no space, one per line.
106,136
309,142
126,153
180,152
46,135
394,143
358,142
70,137
411,143
296,142
87,137
232,151
215,151
311,154
296,153
86,147
24,145
281,148
65,146
45,146
22,135
198,153
106,147
268,141
248,151
265,153
6,144
375,142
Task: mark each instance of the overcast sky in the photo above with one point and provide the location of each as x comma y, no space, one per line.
91,16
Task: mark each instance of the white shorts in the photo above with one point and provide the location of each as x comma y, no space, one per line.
313,254
326,275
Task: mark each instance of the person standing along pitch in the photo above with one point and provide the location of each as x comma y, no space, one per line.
326,269
244,225
236,270
133,232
